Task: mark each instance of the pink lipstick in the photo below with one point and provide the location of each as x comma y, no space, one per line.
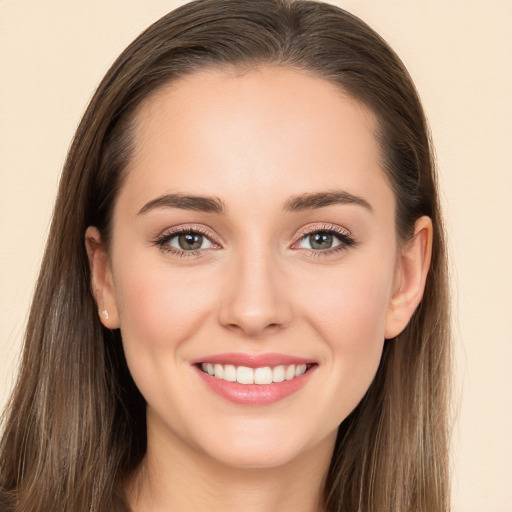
254,379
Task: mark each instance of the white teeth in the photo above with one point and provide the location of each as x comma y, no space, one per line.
261,376
278,374
301,368
290,372
229,373
219,371
244,375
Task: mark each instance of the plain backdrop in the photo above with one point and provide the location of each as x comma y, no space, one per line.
459,52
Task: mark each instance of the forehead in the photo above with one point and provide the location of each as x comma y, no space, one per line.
254,134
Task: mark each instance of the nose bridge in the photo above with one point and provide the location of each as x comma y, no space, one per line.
255,298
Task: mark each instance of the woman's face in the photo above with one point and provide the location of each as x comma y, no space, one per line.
253,238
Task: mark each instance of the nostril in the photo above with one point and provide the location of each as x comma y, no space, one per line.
254,329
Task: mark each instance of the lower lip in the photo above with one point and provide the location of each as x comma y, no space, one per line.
255,394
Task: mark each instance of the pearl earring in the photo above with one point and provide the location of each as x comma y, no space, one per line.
105,314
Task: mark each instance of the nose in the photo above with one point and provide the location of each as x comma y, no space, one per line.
255,299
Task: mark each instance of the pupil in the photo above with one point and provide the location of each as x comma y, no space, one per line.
321,241
189,241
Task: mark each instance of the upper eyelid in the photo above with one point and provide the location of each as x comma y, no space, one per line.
315,228
162,241
343,234
192,228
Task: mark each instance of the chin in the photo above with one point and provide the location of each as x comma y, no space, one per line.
266,448
250,457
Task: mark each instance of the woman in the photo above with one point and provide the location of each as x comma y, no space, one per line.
243,297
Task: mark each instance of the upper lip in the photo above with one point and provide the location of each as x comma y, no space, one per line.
253,360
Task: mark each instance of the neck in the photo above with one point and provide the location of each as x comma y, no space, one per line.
174,476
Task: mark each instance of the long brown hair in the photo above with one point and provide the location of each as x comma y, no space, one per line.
75,425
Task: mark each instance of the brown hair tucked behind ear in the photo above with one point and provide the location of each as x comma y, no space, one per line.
75,425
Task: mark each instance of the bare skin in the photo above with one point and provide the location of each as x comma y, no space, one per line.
201,484
293,253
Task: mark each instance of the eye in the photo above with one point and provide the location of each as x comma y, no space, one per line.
190,241
320,241
185,242
325,239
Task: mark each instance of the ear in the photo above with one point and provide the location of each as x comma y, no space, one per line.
102,282
413,264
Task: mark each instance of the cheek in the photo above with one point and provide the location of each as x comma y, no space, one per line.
352,308
159,309
350,316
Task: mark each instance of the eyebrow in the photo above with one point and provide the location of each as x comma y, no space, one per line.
311,201
185,202
317,200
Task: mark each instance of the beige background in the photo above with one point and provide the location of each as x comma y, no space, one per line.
53,53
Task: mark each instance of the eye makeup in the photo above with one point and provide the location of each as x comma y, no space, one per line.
336,237
194,240
176,240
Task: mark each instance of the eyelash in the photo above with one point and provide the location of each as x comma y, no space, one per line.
346,240
162,242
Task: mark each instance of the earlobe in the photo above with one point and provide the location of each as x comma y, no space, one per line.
102,283
411,272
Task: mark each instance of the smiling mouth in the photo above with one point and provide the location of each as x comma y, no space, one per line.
264,375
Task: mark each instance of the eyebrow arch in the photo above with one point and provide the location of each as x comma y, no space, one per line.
322,199
185,202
